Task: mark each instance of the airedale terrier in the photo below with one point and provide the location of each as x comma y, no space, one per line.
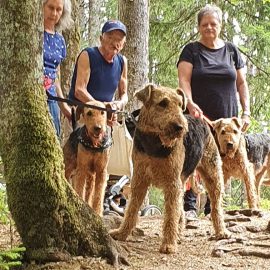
168,146
244,156
86,155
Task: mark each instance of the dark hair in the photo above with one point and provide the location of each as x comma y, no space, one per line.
210,10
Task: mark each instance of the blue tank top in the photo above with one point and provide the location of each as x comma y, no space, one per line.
104,76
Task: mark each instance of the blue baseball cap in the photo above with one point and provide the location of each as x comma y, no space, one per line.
113,25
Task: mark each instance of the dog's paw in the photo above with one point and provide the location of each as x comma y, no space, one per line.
168,248
224,235
118,235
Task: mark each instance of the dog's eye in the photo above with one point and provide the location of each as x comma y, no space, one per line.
223,132
102,112
89,113
163,103
235,131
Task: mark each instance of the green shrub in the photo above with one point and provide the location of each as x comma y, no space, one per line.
156,197
4,211
11,259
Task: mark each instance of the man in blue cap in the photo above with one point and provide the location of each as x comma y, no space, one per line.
100,71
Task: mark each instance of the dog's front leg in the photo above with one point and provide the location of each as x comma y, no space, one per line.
173,201
89,189
99,192
79,181
139,186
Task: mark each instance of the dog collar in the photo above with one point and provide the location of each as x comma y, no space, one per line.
87,142
150,144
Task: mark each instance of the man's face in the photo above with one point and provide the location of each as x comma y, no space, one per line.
113,42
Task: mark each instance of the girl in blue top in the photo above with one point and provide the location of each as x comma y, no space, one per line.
57,16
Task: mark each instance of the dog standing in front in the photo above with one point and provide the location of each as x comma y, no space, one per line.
86,155
244,156
168,146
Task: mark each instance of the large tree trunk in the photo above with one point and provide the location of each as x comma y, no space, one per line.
72,38
94,22
135,14
51,220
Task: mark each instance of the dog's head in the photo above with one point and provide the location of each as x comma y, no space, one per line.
162,112
95,121
228,135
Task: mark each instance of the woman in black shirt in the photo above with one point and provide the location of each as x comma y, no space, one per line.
210,72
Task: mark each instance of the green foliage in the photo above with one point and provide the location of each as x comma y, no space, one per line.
11,259
156,197
4,211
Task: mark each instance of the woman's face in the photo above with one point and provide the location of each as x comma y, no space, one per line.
209,27
53,10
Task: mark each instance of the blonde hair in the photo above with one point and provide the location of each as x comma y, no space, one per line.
210,10
65,22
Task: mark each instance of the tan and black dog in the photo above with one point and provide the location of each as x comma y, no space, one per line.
168,146
244,156
86,155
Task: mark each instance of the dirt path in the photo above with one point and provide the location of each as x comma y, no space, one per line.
195,250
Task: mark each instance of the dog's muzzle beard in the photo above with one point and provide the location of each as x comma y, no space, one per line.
228,149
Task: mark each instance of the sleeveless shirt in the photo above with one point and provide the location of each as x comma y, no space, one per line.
104,76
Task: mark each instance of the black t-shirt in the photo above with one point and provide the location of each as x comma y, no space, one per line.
213,80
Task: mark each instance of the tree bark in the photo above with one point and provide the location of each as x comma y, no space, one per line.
135,15
52,221
94,22
72,38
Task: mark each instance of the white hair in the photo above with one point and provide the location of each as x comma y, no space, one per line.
209,10
65,22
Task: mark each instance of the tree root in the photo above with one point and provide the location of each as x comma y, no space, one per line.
257,253
245,212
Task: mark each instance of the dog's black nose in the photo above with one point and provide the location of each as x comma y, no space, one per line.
97,128
177,127
230,145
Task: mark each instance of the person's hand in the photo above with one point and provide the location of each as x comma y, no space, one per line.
194,110
245,122
113,119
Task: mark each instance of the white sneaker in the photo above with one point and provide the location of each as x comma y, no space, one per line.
191,215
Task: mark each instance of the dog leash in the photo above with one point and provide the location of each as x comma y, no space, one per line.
79,104
208,121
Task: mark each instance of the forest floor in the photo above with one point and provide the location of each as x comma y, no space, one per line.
248,249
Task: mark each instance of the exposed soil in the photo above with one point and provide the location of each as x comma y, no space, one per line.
196,250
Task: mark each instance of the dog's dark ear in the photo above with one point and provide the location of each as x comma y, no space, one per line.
78,113
180,92
145,93
237,122
216,124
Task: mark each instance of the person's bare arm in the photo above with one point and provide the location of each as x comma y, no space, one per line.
65,109
184,77
243,91
82,79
